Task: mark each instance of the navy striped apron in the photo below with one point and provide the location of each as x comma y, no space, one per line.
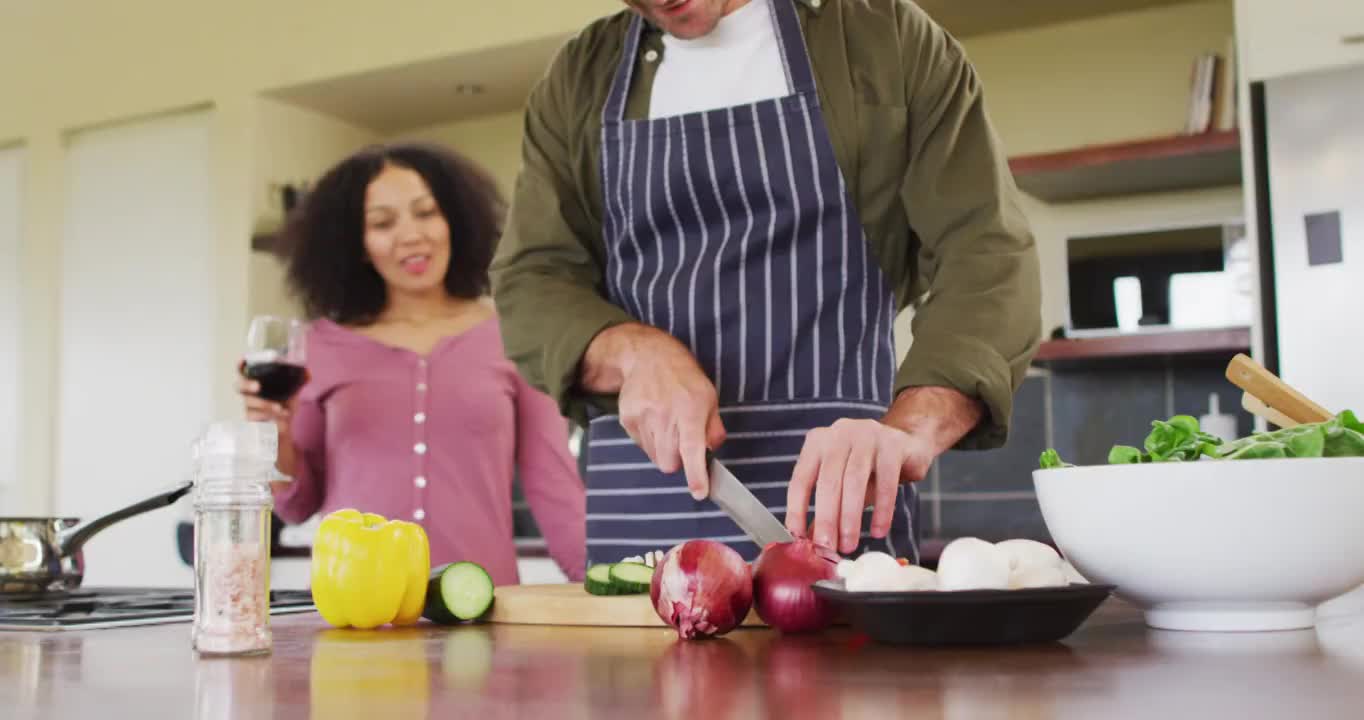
733,230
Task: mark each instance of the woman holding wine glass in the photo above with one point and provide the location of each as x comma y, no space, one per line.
409,407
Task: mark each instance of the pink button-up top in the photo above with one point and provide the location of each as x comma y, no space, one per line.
435,440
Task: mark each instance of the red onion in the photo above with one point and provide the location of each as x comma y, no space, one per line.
782,580
702,588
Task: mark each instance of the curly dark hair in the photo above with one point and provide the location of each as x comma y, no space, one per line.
324,237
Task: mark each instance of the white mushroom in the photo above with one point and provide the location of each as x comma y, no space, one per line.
1037,576
913,577
1024,554
877,576
871,572
1031,563
973,564
1073,576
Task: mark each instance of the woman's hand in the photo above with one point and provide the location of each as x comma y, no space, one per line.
281,414
261,410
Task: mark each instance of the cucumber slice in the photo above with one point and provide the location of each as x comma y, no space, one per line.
631,578
457,592
599,580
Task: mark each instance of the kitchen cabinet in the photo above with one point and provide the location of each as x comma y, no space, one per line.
1284,37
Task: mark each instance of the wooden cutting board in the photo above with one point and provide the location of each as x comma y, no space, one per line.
572,605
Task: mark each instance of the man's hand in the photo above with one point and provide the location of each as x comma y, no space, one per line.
855,463
667,404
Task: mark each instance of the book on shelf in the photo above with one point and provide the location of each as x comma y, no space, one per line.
1212,92
1230,97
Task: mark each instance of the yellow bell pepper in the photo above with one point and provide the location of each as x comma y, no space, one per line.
368,571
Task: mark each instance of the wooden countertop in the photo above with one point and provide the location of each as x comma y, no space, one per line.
1111,668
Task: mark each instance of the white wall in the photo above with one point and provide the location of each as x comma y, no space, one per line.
494,142
1107,79
293,146
115,62
11,172
137,338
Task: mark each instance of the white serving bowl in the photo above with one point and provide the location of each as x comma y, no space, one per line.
1214,545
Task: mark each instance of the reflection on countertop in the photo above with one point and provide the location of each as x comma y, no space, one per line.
1114,667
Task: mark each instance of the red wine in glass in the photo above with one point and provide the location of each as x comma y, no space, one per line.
275,357
278,380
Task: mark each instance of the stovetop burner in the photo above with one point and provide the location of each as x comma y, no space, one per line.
90,608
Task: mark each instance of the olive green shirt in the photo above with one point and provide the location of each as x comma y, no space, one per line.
927,174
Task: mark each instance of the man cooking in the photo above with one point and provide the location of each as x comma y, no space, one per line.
723,205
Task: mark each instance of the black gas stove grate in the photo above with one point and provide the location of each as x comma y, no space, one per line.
88,607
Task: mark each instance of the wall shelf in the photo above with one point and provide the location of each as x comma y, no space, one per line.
1184,342
1181,162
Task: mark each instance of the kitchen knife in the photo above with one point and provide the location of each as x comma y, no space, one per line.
739,503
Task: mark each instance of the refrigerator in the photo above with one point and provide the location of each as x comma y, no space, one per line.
1311,199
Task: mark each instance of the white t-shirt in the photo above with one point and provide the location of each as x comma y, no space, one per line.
738,63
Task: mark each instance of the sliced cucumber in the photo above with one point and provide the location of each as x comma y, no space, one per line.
599,580
458,592
631,578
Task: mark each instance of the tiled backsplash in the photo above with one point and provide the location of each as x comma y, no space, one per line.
1082,410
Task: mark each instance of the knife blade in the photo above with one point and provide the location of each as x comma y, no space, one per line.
729,493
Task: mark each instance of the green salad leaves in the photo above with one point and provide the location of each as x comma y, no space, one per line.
1179,439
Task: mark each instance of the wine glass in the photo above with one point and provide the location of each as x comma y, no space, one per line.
275,356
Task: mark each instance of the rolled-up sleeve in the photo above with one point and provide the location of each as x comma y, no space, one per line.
548,274
979,323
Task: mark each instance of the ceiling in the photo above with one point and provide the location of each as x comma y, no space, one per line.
406,97
396,99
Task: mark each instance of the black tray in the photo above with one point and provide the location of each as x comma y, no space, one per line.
968,617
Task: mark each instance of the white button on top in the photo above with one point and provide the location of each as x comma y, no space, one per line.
420,448
419,418
816,3
420,481
421,387
651,56
418,514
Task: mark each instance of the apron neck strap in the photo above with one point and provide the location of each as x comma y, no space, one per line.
795,58
800,75
614,111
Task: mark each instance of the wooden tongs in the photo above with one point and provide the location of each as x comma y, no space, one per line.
1271,398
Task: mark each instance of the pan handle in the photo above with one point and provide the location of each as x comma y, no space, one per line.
72,540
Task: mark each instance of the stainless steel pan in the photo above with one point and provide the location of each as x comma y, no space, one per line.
44,554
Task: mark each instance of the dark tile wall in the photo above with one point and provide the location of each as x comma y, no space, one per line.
1193,383
1094,410
1082,410
992,519
1006,469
